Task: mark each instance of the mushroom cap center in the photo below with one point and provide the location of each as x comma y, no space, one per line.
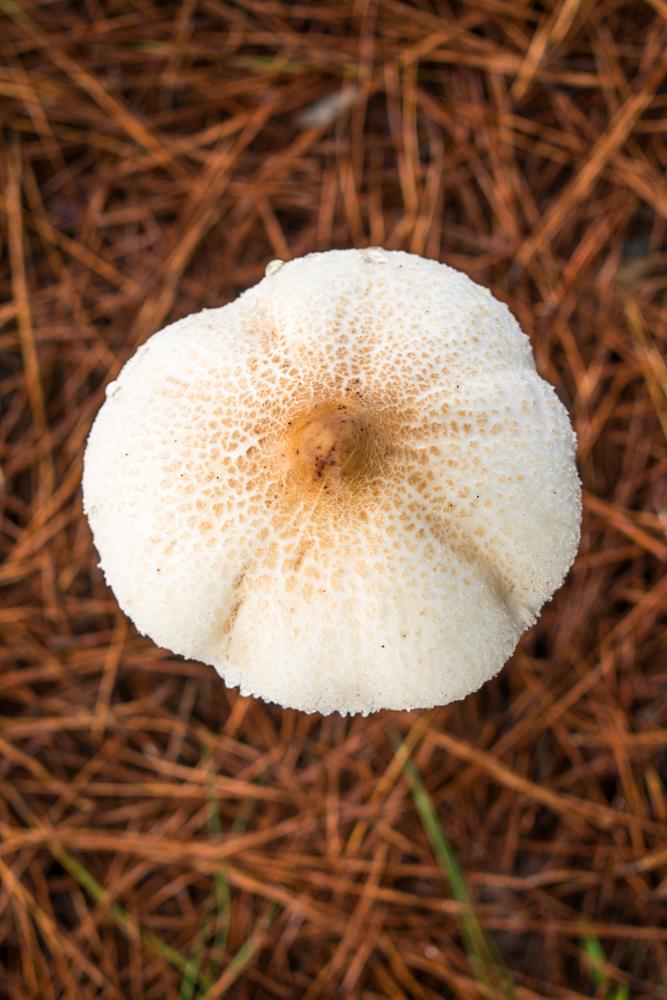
327,444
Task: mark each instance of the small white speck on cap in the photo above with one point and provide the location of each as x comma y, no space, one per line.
273,267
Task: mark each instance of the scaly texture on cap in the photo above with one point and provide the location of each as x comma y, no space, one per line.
347,490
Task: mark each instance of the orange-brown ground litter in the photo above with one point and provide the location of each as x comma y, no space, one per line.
159,835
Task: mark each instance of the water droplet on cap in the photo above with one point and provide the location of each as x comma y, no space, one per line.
375,255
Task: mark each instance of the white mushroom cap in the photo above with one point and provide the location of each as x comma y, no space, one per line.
347,490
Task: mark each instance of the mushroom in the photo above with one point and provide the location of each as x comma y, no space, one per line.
347,490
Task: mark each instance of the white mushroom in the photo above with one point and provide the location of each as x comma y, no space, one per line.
347,490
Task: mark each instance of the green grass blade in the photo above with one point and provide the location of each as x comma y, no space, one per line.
191,973
597,961
121,917
118,914
273,65
243,956
485,959
218,915
222,893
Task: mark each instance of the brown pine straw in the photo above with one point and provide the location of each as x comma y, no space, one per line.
162,837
